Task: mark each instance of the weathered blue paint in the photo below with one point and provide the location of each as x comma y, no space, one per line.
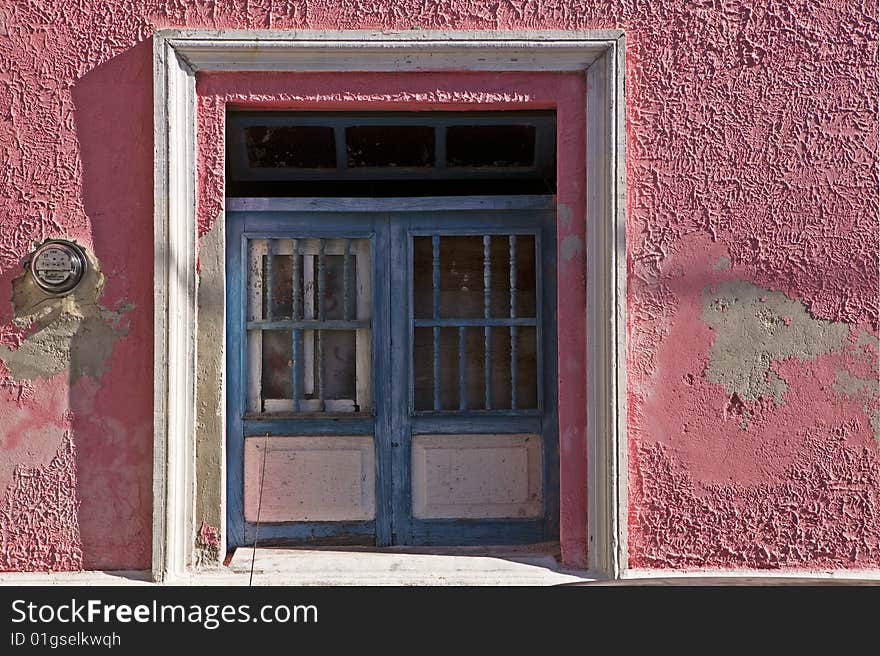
475,422
296,333
383,370
237,309
317,205
307,425
242,228
540,225
513,331
360,533
547,366
402,371
466,532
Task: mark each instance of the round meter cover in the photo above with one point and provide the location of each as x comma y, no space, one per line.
57,266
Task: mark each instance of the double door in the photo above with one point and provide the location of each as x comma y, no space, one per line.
391,375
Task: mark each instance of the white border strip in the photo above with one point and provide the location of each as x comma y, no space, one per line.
174,310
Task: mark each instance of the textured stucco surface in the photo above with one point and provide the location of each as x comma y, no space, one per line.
752,149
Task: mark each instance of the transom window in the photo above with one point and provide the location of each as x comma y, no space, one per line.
274,153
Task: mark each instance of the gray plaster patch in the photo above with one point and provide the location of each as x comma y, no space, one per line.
850,385
565,215
570,246
753,327
867,339
723,264
210,372
70,332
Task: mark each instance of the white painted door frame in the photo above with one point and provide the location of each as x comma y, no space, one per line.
180,53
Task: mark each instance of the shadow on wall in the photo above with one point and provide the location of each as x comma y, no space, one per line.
111,386
79,446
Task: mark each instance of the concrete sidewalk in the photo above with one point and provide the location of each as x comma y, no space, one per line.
535,565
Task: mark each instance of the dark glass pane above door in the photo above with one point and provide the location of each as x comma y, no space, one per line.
290,146
285,153
501,146
390,145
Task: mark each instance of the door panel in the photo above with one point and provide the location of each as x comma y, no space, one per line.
477,476
309,478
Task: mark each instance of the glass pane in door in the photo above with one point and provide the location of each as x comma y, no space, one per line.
475,322
308,327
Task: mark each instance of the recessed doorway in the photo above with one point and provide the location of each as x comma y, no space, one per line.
391,335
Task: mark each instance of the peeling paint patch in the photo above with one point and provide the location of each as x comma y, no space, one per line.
723,264
852,385
868,342
207,551
15,391
753,328
570,246
70,332
210,372
564,215
209,536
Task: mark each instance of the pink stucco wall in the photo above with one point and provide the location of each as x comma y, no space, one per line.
752,234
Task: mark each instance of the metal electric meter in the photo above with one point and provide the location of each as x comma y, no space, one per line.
58,266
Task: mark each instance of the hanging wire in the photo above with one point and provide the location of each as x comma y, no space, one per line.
259,508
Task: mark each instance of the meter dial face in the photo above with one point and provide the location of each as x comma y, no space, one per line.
58,266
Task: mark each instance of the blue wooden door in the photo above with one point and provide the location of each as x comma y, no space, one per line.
392,376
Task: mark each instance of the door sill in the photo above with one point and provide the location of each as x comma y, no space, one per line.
536,564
